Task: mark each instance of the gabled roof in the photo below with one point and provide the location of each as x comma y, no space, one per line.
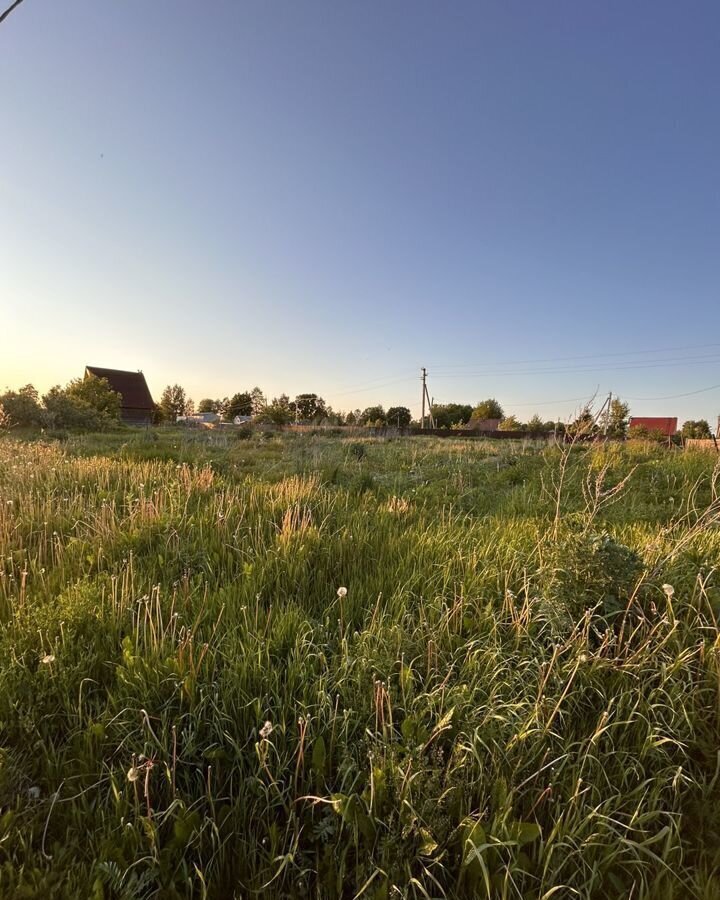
131,386
665,425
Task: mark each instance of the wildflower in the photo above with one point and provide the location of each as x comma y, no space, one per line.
133,774
33,792
47,659
266,730
342,592
668,590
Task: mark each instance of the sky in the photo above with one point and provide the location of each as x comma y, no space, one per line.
326,196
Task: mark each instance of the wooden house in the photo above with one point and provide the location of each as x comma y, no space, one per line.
136,402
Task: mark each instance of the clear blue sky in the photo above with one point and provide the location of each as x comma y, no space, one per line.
523,197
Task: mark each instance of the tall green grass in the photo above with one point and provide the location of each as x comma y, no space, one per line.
517,695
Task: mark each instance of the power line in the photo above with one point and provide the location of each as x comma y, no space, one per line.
10,8
713,387
475,370
556,359
375,386
552,402
660,364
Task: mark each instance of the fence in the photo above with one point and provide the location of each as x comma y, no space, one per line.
702,444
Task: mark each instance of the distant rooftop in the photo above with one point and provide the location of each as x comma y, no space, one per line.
663,425
131,386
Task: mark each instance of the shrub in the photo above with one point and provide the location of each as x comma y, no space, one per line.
21,408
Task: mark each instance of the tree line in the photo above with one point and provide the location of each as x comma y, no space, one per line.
89,404
307,408
311,408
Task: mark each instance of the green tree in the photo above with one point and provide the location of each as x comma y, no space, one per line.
173,403
278,412
447,415
584,425
274,414
22,407
207,405
373,415
282,402
618,418
696,429
331,417
509,423
97,394
258,401
239,405
536,425
488,409
399,416
308,407
87,404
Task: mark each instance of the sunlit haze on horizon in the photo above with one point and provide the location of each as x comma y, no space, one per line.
326,197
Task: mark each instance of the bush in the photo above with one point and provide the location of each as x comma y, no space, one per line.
86,404
21,408
357,450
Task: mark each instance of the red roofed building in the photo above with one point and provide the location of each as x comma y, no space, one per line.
136,403
654,425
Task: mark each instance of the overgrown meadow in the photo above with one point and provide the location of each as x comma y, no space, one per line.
313,666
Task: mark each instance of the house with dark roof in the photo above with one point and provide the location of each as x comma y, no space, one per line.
136,402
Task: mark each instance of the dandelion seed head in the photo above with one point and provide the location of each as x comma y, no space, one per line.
266,730
342,592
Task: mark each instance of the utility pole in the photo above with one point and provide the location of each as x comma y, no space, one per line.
426,397
607,413
424,392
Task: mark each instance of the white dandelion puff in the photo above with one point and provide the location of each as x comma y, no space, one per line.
266,730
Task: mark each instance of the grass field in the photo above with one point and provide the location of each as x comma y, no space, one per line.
309,666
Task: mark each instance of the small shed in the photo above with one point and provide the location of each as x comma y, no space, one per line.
666,426
136,402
